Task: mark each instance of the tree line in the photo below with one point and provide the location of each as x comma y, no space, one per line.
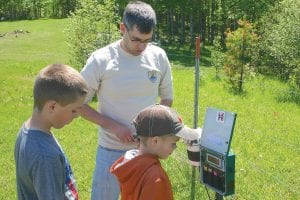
35,9
178,20
247,36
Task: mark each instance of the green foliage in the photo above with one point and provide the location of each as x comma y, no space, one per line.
178,22
251,10
279,46
237,64
217,56
293,93
92,26
295,79
35,9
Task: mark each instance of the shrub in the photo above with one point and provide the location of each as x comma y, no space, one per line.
280,40
217,56
92,26
237,62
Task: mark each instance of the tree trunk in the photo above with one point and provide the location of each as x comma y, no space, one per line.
191,31
212,22
223,24
34,9
202,28
171,25
156,35
243,62
182,29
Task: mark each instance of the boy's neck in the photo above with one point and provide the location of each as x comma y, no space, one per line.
37,122
145,150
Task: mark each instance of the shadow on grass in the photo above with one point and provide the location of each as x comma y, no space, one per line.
186,57
289,96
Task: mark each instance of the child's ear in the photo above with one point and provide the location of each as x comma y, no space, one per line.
50,106
155,139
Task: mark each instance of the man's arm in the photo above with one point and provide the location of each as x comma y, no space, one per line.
124,133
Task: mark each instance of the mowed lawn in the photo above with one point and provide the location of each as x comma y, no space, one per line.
266,140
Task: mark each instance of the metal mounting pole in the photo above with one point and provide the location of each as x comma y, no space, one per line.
197,75
197,78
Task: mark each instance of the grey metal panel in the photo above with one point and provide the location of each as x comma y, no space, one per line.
217,130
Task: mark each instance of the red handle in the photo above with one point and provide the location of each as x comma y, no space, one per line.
197,47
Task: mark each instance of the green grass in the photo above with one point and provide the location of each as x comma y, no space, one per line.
265,141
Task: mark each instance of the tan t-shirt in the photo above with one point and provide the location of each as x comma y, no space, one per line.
126,84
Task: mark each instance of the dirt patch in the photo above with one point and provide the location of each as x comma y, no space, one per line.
15,33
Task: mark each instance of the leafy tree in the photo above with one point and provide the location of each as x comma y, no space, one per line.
34,9
217,56
92,26
237,63
279,46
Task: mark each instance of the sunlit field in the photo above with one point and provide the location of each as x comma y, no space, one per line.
265,139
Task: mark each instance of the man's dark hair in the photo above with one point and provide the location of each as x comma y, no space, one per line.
140,14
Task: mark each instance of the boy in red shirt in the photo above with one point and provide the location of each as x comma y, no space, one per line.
139,171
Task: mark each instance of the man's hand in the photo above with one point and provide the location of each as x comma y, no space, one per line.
125,134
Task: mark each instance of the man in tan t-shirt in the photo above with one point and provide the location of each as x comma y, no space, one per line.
127,76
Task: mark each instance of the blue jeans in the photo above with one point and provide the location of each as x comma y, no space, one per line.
105,185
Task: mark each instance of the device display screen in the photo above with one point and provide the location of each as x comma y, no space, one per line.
213,160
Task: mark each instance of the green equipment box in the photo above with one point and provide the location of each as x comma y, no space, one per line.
217,161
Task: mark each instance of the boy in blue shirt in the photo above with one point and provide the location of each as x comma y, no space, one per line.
42,169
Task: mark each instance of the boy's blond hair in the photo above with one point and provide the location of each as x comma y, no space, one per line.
60,83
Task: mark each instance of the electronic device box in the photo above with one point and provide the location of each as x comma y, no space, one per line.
217,161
